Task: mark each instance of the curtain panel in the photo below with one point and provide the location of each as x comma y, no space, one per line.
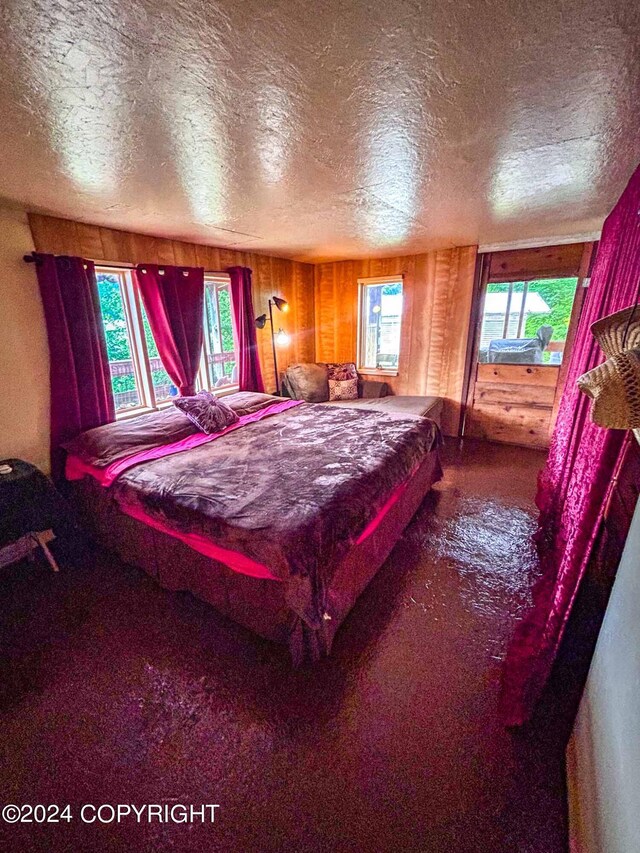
249,372
576,484
173,298
81,395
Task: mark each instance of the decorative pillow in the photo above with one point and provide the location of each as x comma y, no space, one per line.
342,371
208,412
343,389
308,382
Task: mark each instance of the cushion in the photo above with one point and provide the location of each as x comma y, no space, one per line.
402,406
308,382
342,371
248,402
372,388
105,444
208,412
343,389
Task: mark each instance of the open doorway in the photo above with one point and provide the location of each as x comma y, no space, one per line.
529,301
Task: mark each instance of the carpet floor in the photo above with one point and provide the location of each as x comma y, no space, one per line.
115,691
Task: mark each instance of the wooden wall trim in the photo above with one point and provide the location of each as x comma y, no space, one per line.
530,264
290,279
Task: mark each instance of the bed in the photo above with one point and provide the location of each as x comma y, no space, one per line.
278,521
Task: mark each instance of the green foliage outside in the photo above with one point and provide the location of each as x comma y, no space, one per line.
115,328
220,326
115,325
224,326
159,377
558,293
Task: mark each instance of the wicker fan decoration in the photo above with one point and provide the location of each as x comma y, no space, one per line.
614,386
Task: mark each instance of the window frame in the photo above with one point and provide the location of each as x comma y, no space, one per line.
553,346
137,343
132,306
219,280
363,284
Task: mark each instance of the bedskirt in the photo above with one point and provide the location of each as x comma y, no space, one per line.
257,604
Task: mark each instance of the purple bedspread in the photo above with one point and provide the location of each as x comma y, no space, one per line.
293,491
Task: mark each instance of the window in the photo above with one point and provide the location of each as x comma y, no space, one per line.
138,379
163,387
115,293
219,355
526,322
380,318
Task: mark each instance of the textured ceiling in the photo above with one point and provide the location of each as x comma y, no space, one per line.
321,129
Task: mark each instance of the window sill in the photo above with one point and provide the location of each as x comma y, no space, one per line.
225,390
127,414
529,367
376,371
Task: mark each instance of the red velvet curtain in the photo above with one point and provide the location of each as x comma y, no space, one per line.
249,372
174,301
576,483
81,395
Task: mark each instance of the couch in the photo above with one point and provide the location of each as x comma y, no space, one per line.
310,382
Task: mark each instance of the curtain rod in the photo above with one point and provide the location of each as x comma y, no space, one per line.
32,259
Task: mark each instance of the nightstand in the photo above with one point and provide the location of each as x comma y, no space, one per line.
30,509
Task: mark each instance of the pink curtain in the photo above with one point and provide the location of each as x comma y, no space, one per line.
249,372
81,395
174,301
576,484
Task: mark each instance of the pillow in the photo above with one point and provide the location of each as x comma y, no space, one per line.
343,389
247,402
105,444
342,371
208,412
308,382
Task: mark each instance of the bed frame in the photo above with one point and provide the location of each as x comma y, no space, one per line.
257,604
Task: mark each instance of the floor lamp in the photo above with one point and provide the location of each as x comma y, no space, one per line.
282,337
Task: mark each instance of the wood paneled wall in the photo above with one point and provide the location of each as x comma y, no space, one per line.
289,279
437,298
512,403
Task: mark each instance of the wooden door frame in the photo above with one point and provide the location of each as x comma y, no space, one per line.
482,275
483,263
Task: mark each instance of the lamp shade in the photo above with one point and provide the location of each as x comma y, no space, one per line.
281,304
261,321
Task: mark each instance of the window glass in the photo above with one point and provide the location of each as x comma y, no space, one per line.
526,322
380,322
118,336
163,387
220,355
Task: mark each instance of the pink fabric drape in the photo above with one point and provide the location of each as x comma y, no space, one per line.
249,372
576,483
81,395
174,300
